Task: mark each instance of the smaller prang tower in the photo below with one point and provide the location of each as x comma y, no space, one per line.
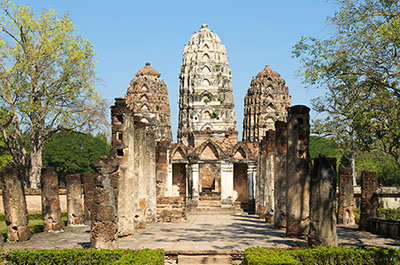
266,102
206,93
147,97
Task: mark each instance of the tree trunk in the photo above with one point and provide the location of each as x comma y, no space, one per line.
36,167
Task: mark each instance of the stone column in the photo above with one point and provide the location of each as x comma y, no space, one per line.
346,197
195,187
88,190
259,193
169,181
270,177
74,200
280,174
14,202
298,172
251,175
323,203
226,184
151,209
369,200
162,161
51,210
104,218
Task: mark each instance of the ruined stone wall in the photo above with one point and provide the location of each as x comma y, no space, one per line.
133,146
298,172
264,193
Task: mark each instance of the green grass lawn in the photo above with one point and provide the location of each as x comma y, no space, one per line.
35,223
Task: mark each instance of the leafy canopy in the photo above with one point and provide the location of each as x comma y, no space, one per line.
46,81
359,67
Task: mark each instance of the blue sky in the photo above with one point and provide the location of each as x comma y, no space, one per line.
126,34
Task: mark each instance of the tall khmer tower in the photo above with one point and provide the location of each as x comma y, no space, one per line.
147,96
266,102
206,98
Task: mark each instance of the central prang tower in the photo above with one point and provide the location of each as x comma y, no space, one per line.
205,94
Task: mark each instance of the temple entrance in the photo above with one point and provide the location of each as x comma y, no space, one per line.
240,186
179,179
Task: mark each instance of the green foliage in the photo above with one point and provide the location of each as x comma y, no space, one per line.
47,75
322,255
359,66
217,67
214,114
74,153
325,146
86,256
5,156
157,107
389,214
221,99
259,256
206,100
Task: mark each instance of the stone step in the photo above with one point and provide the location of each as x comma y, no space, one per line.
211,210
204,259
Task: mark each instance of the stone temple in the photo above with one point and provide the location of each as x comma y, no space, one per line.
149,178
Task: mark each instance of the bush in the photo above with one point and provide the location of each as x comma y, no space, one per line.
86,256
389,214
322,255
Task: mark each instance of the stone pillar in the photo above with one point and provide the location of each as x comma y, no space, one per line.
298,172
195,184
14,202
88,189
162,161
150,178
51,210
169,180
346,197
104,217
74,200
260,180
280,174
369,200
323,203
226,184
251,176
270,177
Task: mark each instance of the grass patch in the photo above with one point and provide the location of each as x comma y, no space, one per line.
35,223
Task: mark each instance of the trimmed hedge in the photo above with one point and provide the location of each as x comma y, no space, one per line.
389,214
86,256
322,255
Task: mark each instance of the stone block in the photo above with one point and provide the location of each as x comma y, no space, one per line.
15,210
369,198
74,200
51,209
346,202
323,203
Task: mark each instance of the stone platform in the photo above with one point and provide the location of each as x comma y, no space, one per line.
201,233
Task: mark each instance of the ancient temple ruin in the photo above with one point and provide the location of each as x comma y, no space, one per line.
155,179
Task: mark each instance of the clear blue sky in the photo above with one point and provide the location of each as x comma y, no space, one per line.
126,34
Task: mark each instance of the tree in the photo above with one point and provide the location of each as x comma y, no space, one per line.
359,67
46,82
74,153
5,157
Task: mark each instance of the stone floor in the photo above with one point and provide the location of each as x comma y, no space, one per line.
200,232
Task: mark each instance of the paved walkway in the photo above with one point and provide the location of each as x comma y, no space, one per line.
201,232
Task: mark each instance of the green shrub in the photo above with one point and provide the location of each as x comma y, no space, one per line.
86,256
259,255
389,214
323,255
